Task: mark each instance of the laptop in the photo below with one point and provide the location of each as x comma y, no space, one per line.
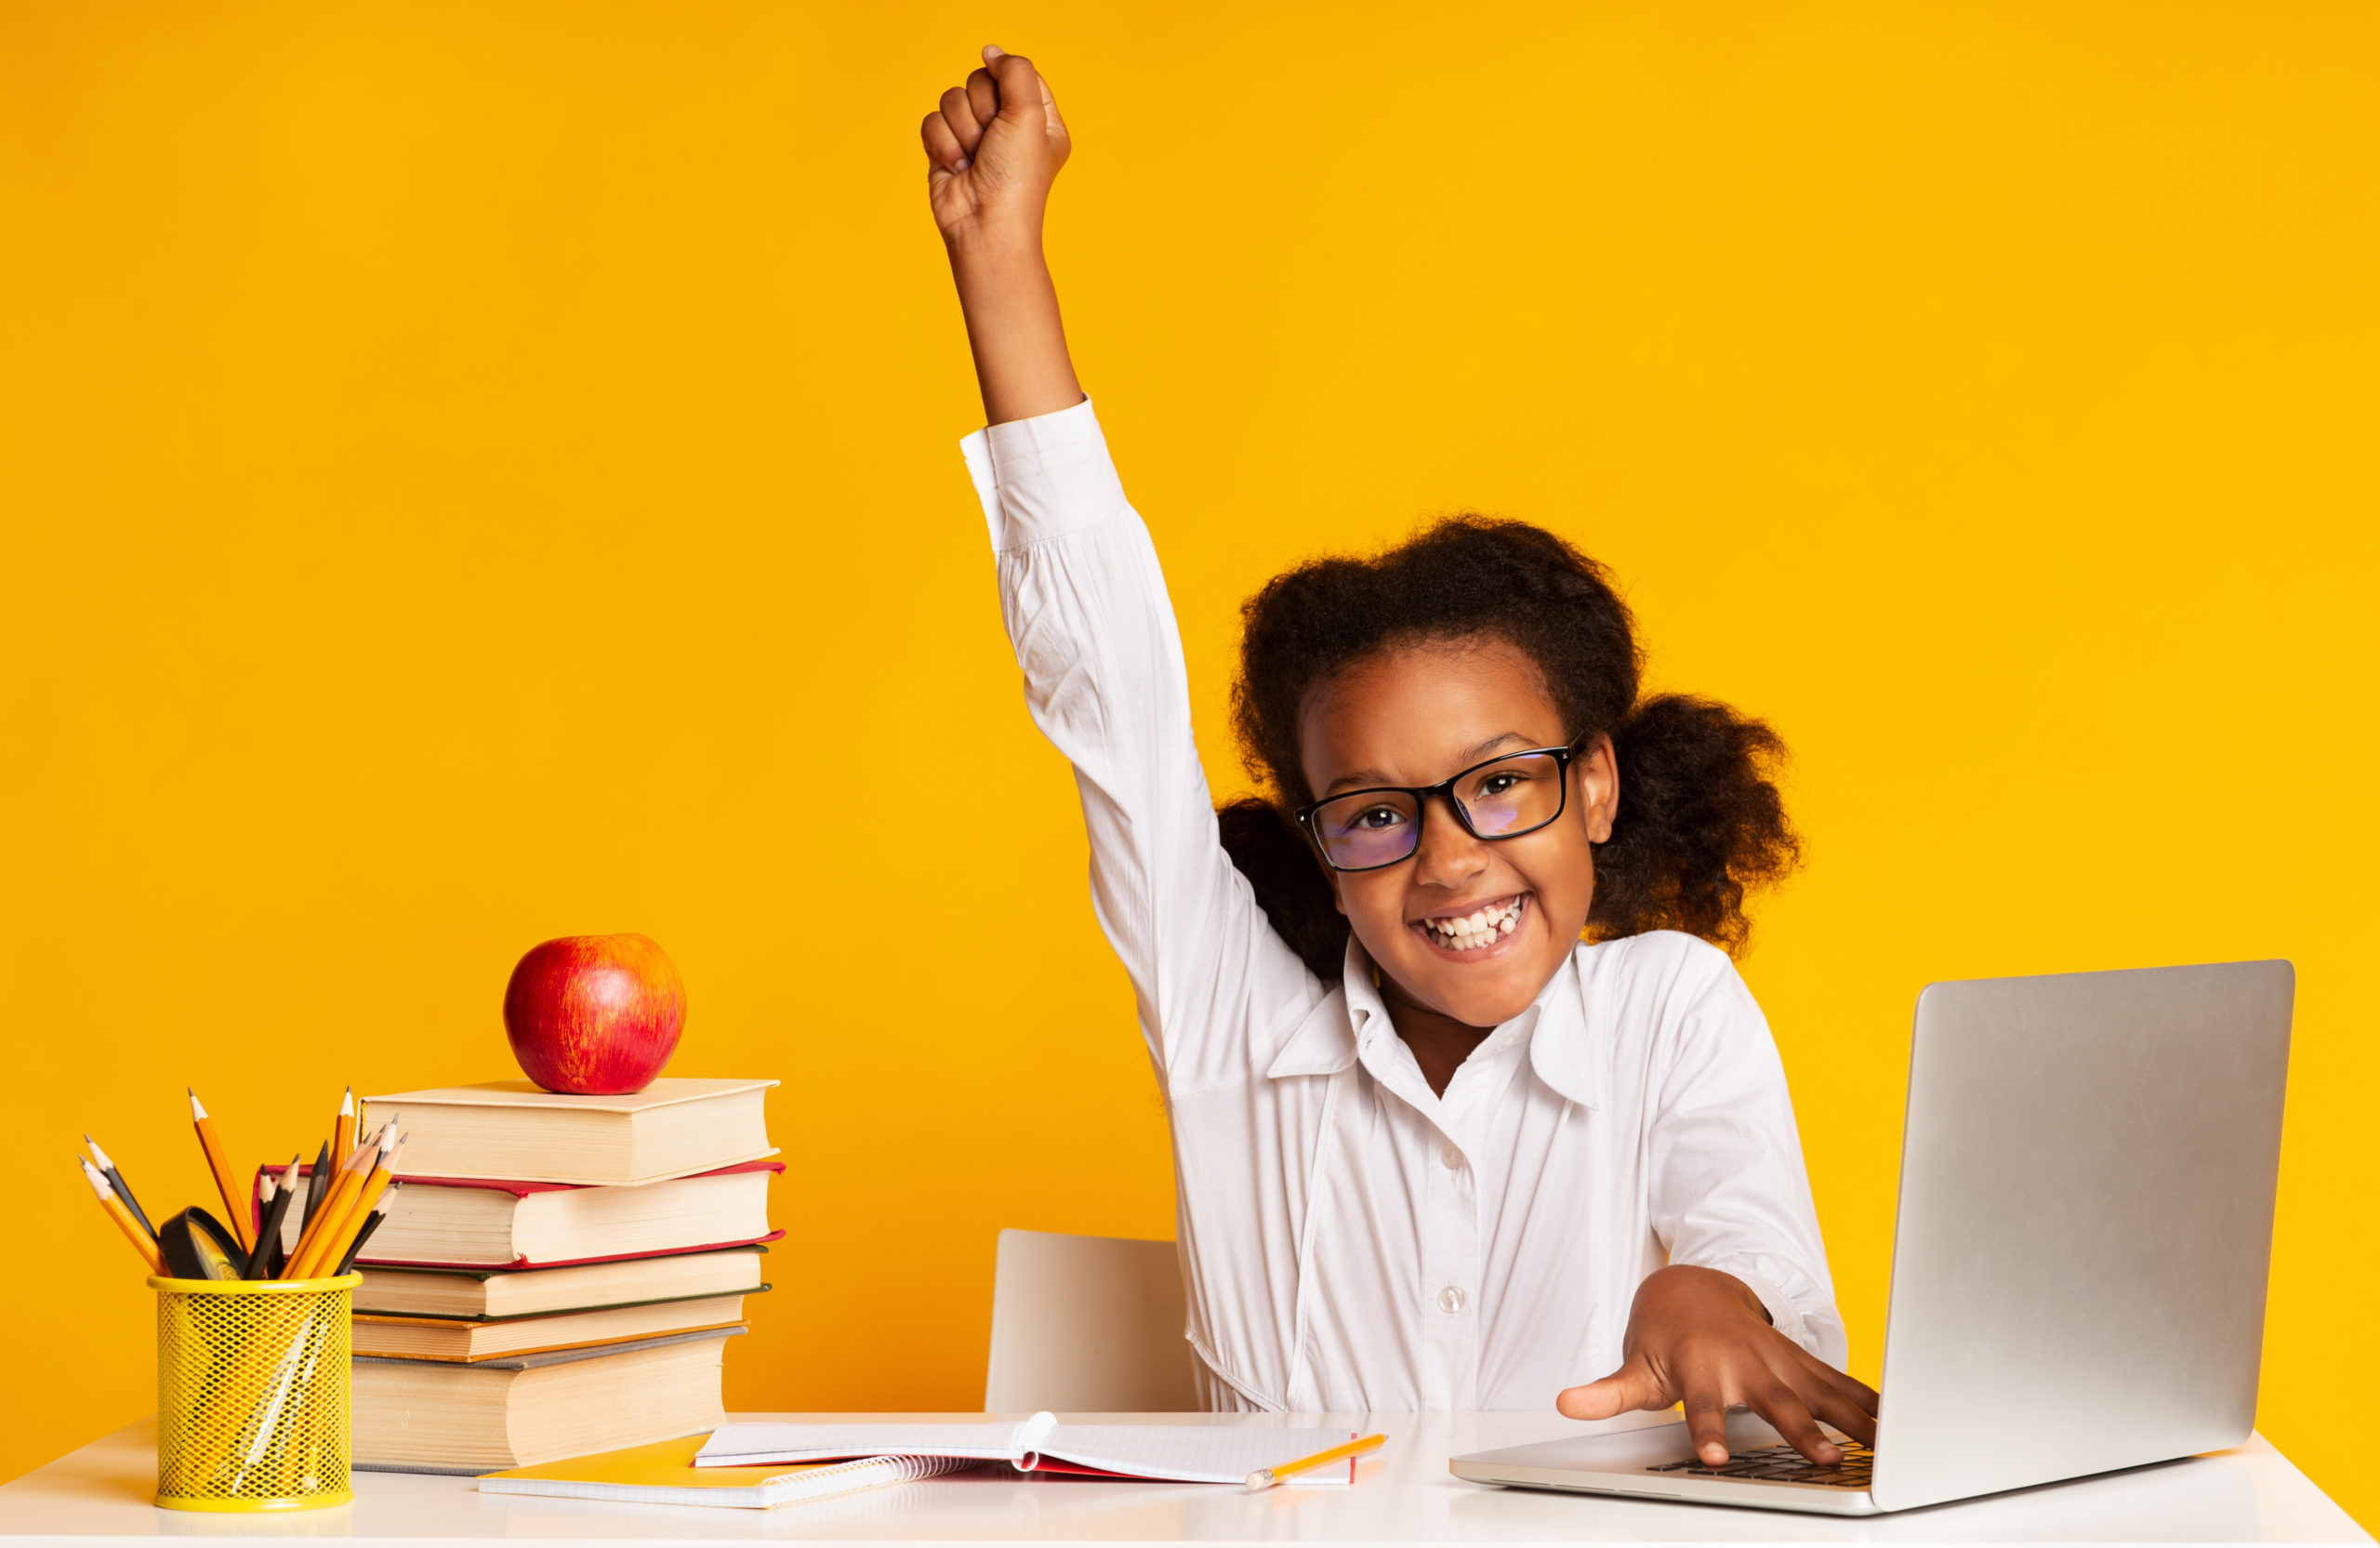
2085,1222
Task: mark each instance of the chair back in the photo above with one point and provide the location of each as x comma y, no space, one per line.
1088,1325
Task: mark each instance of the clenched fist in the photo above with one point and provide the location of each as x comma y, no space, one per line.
992,148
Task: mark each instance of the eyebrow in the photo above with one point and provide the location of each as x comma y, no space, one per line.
1364,779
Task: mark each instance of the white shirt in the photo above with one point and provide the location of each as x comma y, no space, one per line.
1350,1239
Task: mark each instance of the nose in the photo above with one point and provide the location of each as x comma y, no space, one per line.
1448,855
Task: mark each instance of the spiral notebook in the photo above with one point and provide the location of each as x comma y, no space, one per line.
1178,1453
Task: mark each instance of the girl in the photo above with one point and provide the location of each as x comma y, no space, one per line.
1431,1152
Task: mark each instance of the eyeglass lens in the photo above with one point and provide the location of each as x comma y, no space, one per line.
1380,828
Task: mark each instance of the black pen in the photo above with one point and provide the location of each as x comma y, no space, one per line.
116,1181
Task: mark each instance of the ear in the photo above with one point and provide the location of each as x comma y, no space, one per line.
1596,773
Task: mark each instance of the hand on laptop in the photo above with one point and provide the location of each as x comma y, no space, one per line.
1700,1337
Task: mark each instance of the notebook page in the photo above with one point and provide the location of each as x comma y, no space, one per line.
1187,1453
747,1445
783,1489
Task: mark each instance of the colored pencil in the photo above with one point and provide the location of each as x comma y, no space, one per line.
235,1204
318,1183
342,1223
142,1241
379,1213
277,1197
335,1205
343,1126
123,1192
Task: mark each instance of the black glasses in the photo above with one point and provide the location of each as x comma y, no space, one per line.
1504,797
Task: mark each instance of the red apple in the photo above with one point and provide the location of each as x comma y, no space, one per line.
594,1016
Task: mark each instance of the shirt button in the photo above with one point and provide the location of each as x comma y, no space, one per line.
1452,1157
1451,1300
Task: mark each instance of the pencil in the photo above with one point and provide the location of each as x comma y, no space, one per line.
379,1213
335,1207
331,1242
318,1183
234,1205
1265,1477
276,1209
116,1181
267,1191
141,1241
343,1126
332,1199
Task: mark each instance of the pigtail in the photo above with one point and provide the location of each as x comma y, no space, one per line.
1701,822
1287,882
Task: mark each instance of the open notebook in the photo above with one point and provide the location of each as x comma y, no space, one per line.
1178,1453
665,1473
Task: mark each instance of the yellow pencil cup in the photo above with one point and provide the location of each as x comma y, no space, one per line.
252,1393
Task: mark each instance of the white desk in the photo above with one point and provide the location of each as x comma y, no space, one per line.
1402,1495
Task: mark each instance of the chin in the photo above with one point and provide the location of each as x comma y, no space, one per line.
1477,1006
1483,996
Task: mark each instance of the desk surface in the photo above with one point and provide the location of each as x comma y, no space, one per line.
1404,1495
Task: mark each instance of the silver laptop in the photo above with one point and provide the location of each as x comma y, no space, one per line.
2086,1199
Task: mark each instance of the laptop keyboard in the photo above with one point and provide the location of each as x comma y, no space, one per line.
1782,1464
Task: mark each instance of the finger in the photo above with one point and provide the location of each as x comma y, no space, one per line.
1631,1387
1851,1387
1790,1417
1839,1409
943,150
1049,103
966,124
984,95
1859,1392
1706,1423
1023,99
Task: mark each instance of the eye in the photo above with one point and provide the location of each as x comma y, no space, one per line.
1497,783
1374,818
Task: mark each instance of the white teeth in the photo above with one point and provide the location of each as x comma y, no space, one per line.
1479,928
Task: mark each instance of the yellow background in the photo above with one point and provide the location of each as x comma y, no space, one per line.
479,473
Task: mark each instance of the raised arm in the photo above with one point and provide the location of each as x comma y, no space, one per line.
992,148
1085,604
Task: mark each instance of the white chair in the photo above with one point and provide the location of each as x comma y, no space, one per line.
1088,1325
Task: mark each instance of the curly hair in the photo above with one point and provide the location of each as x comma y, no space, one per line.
1700,821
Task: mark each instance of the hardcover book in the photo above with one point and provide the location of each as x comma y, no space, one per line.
515,1131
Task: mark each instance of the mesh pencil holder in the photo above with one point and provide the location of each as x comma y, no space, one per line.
252,1393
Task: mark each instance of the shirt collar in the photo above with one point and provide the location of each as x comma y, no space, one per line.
1562,1050
1554,1026
1325,1042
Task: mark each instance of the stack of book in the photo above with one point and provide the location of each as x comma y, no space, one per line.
559,1275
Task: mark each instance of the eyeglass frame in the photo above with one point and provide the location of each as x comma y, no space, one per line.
1445,787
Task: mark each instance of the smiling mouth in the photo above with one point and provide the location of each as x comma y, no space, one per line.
1478,929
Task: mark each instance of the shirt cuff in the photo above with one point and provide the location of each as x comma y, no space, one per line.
1782,1313
1043,478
